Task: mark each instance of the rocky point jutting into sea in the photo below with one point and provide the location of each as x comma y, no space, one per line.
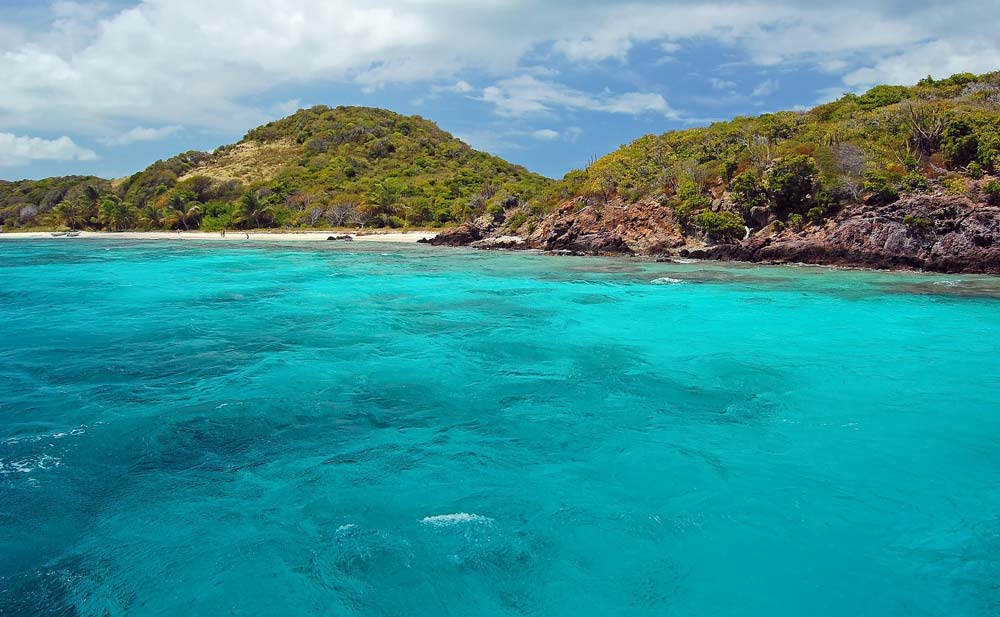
936,232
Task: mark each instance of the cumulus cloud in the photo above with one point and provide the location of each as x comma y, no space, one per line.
141,133
526,94
100,68
20,150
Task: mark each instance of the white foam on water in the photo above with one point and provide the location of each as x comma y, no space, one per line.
345,528
458,518
27,465
666,280
948,283
35,438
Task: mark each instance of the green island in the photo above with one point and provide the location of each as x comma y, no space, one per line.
930,152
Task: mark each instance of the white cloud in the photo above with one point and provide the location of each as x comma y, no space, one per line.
940,58
765,88
20,150
141,133
98,69
546,134
526,94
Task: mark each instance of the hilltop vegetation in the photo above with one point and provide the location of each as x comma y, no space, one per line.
797,168
318,167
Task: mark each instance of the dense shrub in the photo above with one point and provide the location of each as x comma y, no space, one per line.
721,225
790,182
914,182
816,215
881,96
880,189
958,142
955,185
992,191
748,191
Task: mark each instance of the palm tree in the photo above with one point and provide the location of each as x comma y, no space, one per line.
182,213
253,212
152,217
386,198
116,214
72,213
78,211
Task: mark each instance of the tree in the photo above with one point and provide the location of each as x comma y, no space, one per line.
181,213
116,214
152,216
253,212
72,213
959,143
790,183
364,214
758,146
385,199
202,187
747,190
926,127
340,212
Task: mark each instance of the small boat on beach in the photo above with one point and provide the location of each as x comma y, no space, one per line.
65,234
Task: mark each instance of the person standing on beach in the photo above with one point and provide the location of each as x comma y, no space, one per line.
223,233
248,236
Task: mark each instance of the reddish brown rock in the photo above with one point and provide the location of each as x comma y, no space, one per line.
464,234
944,233
596,228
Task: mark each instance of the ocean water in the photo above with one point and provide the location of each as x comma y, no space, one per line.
195,429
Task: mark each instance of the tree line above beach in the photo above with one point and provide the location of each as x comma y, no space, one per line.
364,167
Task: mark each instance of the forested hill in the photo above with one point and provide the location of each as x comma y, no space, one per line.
318,167
938,134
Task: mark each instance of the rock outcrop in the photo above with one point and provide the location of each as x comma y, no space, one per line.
941,233
937,232
463,235
595,228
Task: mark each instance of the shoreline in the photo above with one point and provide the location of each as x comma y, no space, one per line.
232,236
413,237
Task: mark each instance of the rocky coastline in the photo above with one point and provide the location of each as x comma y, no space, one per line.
935,232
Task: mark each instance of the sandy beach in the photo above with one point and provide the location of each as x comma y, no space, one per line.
233,236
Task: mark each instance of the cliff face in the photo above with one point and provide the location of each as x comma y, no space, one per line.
943,233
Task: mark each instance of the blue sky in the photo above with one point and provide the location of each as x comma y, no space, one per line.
108,87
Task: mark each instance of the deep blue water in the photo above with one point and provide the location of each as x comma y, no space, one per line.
191,429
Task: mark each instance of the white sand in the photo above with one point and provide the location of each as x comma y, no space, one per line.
234,236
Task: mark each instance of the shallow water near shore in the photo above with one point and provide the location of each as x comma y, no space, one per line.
383,430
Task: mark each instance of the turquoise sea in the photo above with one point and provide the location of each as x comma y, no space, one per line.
379,430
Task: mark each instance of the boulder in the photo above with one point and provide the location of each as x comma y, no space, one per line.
463,235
